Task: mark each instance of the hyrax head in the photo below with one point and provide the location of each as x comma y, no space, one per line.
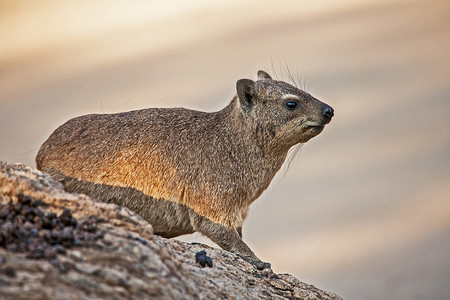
282,114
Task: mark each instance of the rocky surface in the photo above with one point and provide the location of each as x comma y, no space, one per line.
56,245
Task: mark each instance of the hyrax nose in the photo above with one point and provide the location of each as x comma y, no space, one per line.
328,111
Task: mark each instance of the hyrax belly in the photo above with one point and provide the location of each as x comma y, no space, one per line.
168,219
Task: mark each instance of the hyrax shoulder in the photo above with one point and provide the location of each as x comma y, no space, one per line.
186,170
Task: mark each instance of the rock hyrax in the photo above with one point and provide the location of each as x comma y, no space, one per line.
184,170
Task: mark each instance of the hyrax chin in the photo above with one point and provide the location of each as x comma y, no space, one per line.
184,170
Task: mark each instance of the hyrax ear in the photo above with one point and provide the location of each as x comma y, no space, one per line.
246,90
263,75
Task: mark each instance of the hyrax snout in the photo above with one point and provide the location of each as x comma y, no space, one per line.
185,170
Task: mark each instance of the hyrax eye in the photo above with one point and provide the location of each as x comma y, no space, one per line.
291,104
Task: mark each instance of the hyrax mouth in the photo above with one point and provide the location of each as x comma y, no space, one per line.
312,125
313,130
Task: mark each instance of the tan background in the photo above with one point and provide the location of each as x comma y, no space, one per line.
365,210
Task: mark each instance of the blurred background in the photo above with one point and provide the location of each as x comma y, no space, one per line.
365,209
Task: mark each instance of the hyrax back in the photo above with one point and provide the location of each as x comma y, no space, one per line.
185,170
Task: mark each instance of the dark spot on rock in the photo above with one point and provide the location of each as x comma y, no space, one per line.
67,266
17,207
262,265
89,225
66,217
4,212
36,253
202,259
97,272
40,203
141,240
59,249
9,271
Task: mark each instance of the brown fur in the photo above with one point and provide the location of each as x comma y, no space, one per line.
186,170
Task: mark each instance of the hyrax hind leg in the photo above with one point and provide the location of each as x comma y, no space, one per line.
228,239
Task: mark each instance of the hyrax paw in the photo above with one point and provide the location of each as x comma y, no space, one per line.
260,265
203,259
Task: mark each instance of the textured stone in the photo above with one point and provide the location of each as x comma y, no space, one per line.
84,249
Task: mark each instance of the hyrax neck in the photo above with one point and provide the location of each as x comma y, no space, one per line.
252,162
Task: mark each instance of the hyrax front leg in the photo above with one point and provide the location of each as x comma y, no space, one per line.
229,240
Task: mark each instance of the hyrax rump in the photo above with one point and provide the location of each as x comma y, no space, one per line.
185,170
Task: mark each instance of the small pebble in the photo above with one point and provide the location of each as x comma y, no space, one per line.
202,259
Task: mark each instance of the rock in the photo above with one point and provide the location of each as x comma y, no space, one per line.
56,245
